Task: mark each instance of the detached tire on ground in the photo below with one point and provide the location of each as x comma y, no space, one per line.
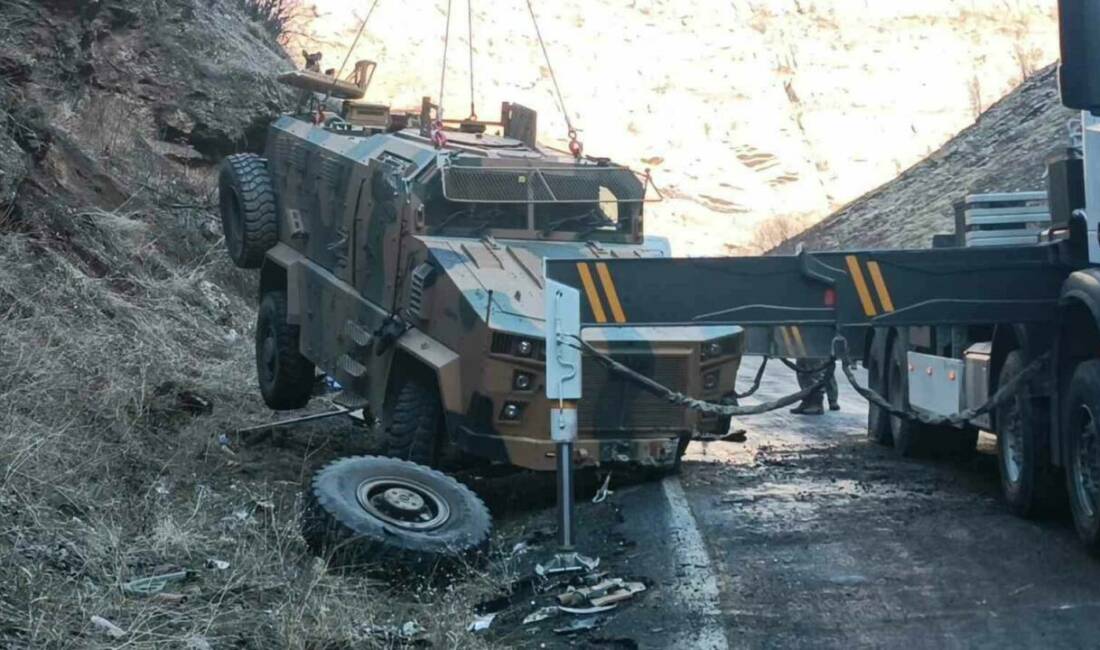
1029,481
285,376
247,201
386,514
1081,428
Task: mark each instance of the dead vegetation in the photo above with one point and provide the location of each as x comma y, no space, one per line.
125,340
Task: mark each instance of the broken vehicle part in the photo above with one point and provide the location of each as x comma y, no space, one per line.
387,513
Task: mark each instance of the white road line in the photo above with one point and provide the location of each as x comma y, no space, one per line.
697,590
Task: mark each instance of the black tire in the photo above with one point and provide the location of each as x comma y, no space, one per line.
285,376
878,420
1082,436
414,423
336,525
1029,482
907,441
250,220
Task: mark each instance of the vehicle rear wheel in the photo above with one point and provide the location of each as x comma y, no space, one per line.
286,377
392,514
414,423
1028,479
246,197
1082,430
878,420
904,432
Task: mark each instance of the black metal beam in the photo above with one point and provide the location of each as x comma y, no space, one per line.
847,289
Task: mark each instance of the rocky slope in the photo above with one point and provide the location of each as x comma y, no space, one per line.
125,351
745,110
1004,151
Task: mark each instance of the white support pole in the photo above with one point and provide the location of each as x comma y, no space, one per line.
563,389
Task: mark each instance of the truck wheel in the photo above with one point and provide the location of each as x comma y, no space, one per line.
1028,480
391,513
1082,430
249,218
286,377
413,423
904,433
878,421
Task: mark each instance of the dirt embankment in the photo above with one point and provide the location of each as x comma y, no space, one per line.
125,348
1004,151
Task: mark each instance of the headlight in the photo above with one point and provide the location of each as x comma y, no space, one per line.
522,381
710,380
511,411
525,348
727,346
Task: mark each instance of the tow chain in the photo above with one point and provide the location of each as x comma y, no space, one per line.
1005,392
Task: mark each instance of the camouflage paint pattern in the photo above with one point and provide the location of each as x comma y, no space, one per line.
361,257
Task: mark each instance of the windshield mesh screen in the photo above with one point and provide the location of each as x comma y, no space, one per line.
563,184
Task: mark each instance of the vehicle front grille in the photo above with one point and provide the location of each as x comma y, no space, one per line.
611,403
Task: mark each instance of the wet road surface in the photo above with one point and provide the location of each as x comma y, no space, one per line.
819,538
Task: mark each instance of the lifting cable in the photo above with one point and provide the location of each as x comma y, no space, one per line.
1005,392
351,50
470,40
575,146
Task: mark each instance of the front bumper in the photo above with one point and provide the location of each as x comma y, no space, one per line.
541,454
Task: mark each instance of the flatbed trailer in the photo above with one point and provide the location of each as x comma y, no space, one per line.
940,331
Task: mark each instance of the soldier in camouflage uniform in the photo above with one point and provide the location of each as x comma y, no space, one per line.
810,372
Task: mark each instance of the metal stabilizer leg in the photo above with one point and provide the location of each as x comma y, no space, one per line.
563,422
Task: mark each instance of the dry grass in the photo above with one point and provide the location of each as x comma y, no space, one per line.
105,478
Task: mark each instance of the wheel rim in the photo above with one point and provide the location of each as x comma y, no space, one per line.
1012,454
1086,464
403,503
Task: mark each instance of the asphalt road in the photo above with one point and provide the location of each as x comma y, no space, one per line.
809,536
818,538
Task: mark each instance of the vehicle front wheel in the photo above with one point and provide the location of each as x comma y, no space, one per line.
904,432
1082,430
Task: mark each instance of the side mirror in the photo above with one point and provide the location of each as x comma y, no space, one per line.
1079,72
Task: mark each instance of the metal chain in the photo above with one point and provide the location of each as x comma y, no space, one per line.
1005,392
755,381
695,404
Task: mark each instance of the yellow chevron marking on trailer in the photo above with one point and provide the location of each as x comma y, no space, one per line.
787,345
861,286
880,286
797,334
612,294
590,291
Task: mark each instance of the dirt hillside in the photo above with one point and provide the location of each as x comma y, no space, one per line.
1004,151
125,350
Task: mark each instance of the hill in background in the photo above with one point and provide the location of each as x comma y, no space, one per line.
744,109
1004,151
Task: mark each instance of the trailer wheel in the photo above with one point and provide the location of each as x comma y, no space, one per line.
1028,480
1082,429
246,197
905,433
878,421
391,514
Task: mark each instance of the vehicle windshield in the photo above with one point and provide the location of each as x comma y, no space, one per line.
579,205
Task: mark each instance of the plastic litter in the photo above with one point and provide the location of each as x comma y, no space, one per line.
108,628
153,584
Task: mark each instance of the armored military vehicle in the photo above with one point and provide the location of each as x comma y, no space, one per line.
401,254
